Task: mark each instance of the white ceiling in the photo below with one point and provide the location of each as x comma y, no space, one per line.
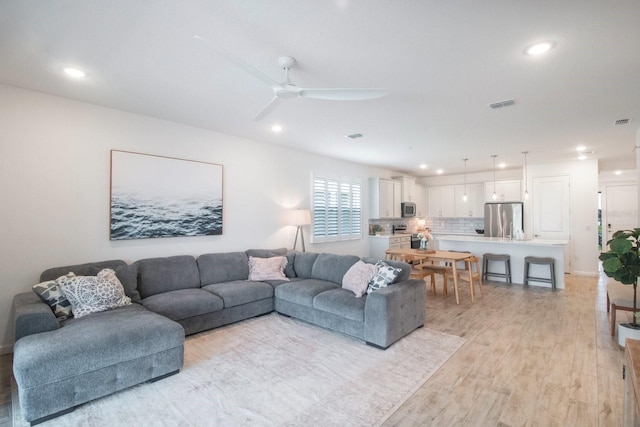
444,62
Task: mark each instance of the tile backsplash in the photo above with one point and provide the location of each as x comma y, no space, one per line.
437,225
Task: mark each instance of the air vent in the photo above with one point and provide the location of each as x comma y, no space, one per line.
620,122
507,103
355,136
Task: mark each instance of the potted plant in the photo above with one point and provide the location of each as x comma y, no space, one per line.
377,229
622,263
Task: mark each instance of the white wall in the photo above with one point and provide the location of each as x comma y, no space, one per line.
584,209
54,178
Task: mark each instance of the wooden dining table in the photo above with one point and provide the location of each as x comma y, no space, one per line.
445,256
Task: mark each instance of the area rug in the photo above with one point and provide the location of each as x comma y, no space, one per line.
274,371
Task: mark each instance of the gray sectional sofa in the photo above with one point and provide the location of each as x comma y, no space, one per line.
59,364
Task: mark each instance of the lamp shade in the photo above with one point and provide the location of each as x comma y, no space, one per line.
300,217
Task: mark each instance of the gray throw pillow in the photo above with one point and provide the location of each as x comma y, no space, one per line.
51,293
385,276
93,294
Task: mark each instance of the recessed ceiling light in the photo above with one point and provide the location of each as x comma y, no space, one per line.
74,72
276,128
582,157
580,148
423,166
539,48
618,172
355,136
439,171
502,165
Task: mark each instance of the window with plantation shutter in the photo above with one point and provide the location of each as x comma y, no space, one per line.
337,210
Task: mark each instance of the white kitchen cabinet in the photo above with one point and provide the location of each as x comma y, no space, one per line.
421,201
442,201
397,199
384,198
408,188
474,206
378,245
507,191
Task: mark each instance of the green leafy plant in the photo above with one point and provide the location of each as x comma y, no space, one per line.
622,261
377,228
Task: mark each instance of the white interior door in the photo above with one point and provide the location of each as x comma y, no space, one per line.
621,209
552,212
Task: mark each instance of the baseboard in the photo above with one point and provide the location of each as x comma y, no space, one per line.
6,349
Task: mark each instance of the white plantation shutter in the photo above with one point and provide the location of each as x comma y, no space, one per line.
337,210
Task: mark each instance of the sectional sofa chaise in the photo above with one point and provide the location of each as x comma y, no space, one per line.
61,363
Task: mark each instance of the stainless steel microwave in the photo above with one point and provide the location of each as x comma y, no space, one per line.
408,209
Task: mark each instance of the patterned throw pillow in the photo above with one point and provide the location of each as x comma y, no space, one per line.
267,268
50,293
89,294
357,278
385,276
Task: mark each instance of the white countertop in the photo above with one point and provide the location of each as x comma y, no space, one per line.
500,240
389,235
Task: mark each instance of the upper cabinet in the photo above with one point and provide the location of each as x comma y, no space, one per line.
421,201
473,207
507,191
385,198
442,201
408,188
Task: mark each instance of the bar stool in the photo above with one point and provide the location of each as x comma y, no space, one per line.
541,261
496,257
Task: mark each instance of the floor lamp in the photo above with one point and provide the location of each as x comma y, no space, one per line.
300,217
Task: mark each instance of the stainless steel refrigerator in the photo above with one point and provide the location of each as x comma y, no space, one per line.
503,219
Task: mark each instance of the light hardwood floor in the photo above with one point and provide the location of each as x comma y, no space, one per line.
533,357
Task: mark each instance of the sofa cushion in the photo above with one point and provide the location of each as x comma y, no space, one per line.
303,292
80,269
303,263
91,343
159,275
341,302
289,269
93,294
357,278
183,303
223,267
271,268
332,267
266,253
240,292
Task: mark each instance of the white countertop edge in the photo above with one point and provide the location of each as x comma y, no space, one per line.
500,240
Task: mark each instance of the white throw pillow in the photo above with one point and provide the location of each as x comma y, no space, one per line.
271,268
93,294
357,278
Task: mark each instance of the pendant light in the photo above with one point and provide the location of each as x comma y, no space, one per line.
526,193
464,196
494,196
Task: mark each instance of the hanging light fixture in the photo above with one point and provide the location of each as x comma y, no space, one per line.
494,196
464,196
526,193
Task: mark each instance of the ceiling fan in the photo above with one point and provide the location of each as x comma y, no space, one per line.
288,90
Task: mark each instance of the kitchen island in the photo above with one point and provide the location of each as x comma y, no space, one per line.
517,249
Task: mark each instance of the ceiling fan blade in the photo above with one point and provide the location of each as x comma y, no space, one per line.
268,108
240,63
343,94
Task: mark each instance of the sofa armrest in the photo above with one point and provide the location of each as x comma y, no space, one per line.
392,312
31,316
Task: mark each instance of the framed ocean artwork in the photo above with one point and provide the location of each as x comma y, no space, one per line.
155,196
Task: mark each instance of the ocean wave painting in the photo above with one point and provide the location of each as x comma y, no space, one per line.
153,196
